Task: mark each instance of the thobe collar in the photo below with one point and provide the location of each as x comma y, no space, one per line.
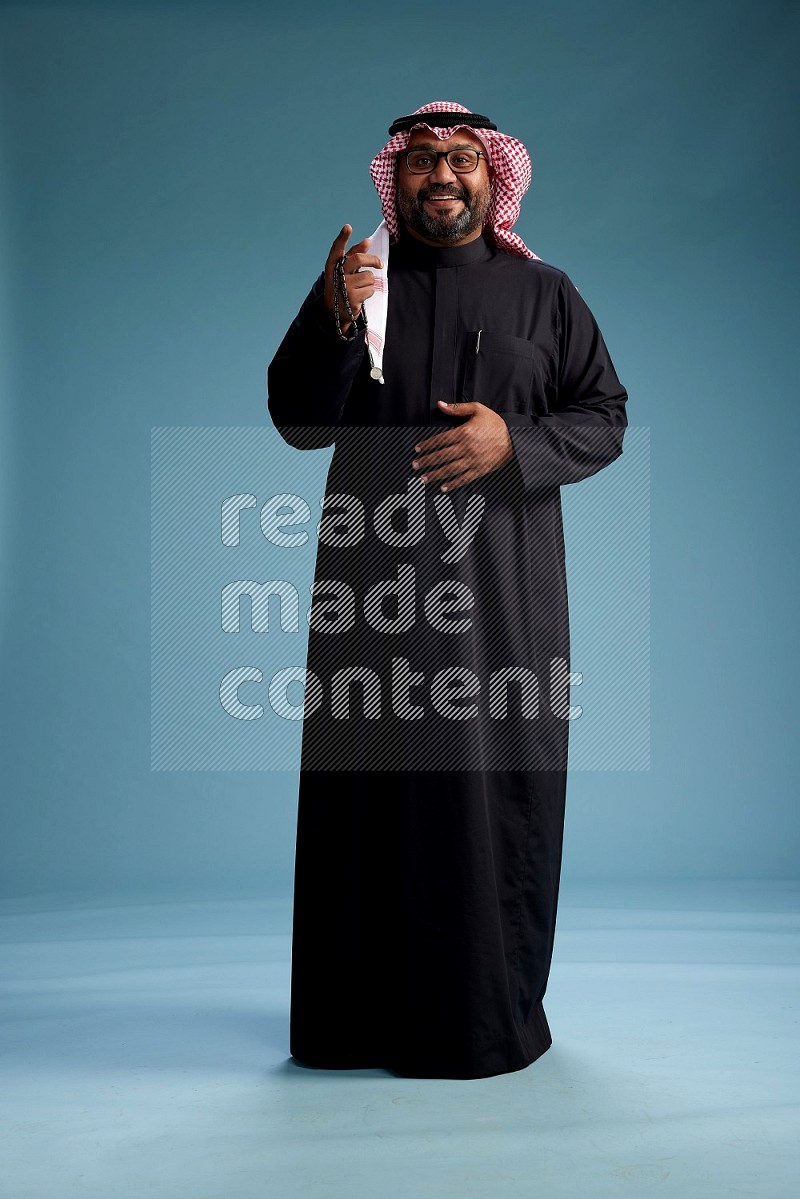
411,250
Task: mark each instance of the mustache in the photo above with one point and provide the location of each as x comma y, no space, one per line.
440,189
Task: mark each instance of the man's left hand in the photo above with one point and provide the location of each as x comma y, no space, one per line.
458,455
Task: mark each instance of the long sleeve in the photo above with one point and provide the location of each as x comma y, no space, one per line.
310,377
583,430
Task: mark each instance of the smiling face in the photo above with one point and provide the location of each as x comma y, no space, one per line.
444,208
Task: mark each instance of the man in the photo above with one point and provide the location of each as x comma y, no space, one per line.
463,382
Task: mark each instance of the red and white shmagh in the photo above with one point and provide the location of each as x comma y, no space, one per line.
511,176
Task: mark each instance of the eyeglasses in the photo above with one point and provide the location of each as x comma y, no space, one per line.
422,162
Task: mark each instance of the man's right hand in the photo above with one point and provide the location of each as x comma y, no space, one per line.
360,284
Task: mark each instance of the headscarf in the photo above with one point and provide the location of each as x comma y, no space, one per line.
510,179
511,176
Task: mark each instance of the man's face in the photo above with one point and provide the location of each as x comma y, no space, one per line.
444,208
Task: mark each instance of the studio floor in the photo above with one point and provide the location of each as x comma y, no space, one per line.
145,1053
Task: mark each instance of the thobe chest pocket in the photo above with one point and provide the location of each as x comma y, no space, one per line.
499,371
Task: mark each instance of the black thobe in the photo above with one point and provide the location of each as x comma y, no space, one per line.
430,820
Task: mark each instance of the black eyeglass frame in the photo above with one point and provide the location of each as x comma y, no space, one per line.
441,154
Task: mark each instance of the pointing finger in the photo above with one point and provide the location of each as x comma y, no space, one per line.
340,242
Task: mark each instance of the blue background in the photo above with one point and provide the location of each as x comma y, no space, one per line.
172,178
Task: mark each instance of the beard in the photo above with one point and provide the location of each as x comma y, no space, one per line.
444,226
